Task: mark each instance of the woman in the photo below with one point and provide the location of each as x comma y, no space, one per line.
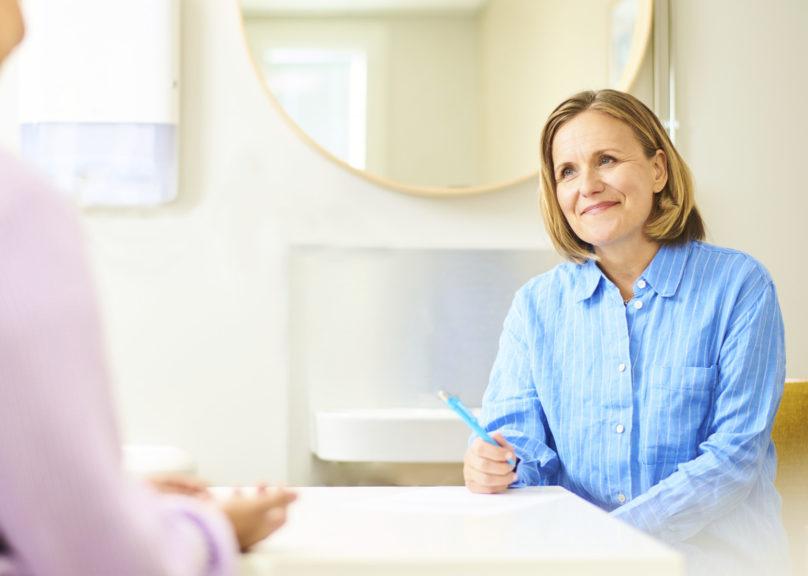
645,373
65,506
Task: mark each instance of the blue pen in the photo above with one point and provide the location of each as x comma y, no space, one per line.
467,417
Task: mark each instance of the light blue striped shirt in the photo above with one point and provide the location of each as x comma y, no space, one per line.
660,410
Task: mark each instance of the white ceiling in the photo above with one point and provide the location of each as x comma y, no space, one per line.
349,6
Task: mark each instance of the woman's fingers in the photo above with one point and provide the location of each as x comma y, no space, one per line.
487,468
502,441
487,465
493,467
498,456
491,452
277,497
255,516
275,519
477,476
275,502
483,482
480,489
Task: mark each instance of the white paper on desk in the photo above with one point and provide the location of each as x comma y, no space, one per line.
451,500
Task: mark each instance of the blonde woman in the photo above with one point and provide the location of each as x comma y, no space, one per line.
643,374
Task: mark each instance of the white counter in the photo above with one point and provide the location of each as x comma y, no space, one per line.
449,531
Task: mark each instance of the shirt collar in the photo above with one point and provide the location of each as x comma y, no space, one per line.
665,271
663,274
590,275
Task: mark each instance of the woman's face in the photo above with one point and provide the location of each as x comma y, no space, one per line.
11,27
604,182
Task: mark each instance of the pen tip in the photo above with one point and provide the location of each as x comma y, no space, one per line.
443,395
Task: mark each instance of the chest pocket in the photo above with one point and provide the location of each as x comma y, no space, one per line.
673,415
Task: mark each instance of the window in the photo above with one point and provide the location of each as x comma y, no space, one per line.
303,79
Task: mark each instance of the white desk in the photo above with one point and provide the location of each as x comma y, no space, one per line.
449,531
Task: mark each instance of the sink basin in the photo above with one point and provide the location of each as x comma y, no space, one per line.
390,435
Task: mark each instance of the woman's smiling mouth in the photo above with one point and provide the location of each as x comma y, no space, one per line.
598,208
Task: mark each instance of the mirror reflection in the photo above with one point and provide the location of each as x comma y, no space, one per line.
437,93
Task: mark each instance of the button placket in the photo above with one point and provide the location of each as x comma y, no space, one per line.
620,324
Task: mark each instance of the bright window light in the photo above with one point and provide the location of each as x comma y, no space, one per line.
303,79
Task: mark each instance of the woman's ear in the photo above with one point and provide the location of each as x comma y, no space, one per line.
659,164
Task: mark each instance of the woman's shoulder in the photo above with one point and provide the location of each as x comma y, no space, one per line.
549,287
732,263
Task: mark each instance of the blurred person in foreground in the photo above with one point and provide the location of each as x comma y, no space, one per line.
66,506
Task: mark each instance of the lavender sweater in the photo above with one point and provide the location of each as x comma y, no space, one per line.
66,508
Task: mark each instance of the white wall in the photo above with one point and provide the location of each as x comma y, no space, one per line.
741,84
195,294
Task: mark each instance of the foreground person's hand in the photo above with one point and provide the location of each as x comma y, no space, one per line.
257,516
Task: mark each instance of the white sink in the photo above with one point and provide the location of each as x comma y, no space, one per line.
390,435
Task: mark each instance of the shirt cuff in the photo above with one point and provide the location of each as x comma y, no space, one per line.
215,529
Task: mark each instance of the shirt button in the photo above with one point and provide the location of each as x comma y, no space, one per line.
619,428
621,498
621,367
641,284
638,304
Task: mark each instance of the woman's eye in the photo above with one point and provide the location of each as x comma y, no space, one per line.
605,159
566,172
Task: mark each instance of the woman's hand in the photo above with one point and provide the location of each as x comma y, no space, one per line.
485,467
257,516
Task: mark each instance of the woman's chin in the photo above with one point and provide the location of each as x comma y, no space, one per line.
598,240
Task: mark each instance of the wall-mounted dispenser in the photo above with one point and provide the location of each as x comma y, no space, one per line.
99,104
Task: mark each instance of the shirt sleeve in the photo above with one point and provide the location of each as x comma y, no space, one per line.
511,404
750,383
66,507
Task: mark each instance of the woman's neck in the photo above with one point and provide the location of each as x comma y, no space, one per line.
624,263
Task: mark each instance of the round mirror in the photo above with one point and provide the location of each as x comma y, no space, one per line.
438,96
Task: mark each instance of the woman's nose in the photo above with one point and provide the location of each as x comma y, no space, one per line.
590,183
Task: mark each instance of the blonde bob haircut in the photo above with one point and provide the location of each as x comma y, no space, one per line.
674,217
